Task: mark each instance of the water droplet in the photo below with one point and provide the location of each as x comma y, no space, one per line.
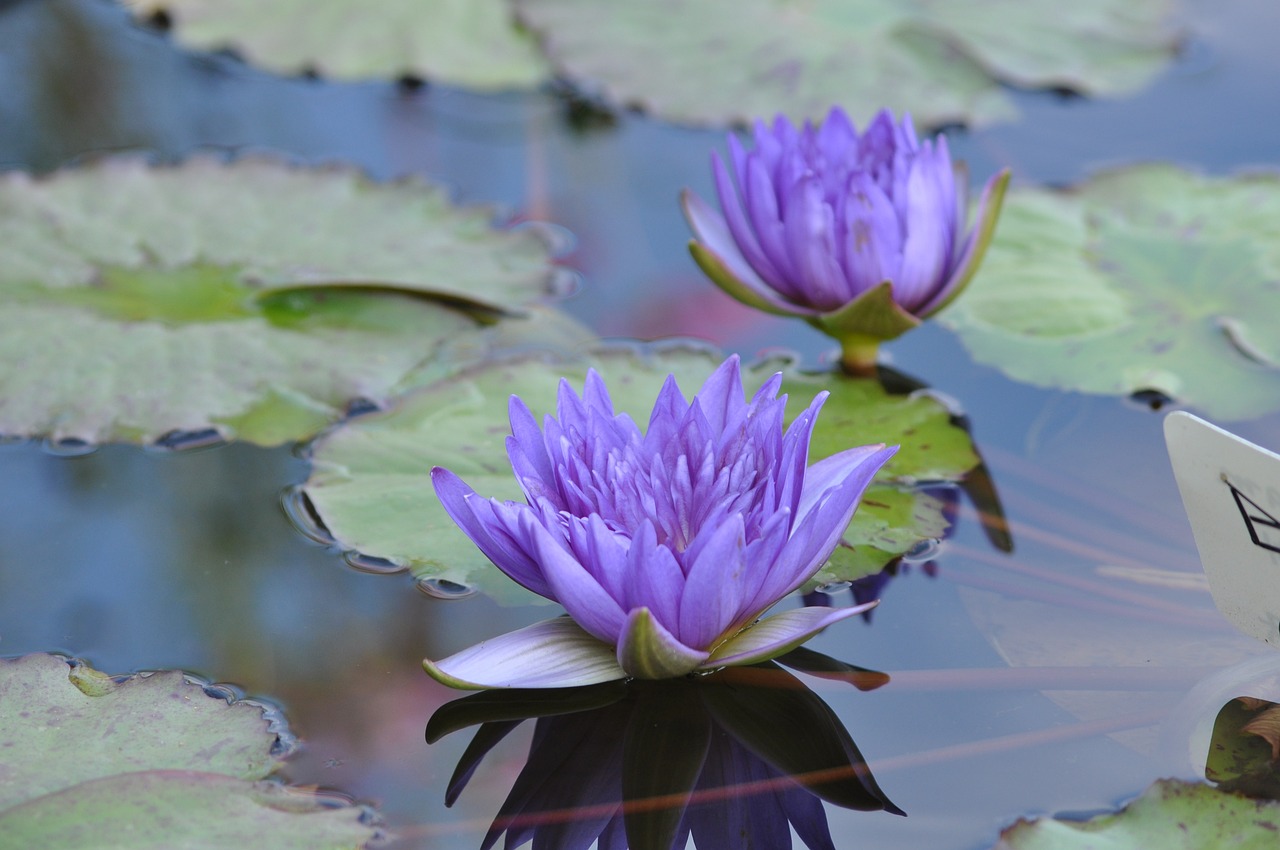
69,447
924,550
360,407
222,692
558,240
372,564
564,282
831,588
442,588
1150,399
181,441
949,402
302,513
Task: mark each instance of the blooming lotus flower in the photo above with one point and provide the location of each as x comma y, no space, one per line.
664,547
862,236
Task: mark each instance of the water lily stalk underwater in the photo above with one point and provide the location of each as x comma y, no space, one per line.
664,547
860,235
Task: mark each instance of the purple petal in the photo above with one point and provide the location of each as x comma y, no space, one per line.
743,237
766,219
926,250
477,518
811,239
721,396
574,586
872,234
780,633
654,577
596,395
823,518
715,246
717,583
648,651
975,245
550,654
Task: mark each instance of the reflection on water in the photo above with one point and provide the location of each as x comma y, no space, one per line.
739,758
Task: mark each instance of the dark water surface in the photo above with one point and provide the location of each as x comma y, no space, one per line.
137,559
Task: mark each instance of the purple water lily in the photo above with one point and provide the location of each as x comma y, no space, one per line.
861,235
664,547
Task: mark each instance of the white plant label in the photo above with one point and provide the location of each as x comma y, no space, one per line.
1231,492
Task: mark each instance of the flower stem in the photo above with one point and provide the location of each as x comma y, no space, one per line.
858,355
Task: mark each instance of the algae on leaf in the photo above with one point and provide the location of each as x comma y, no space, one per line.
371,486
1145,278
473,43
150,761
251,297
944,61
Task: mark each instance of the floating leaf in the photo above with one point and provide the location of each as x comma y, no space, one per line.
370,482
1171,815
1148,278
945,61
250,297
1244,748
272,226
149,761
460,42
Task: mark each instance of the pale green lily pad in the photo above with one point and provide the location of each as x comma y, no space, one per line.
944,61
1171,815
150,761
370,482
474,43
249,297
1147,278
272,225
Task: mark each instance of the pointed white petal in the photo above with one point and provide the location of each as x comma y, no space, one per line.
778,634
550,654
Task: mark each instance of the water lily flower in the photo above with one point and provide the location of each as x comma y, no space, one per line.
861,235
664,547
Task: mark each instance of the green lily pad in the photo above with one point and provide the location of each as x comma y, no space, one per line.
148,761
472,43
370,482
1244,747
1147,278
1171,815
944,61
248,297
274,226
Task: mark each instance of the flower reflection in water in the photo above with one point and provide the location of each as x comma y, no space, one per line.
739,758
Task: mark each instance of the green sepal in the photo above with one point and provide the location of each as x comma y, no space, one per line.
713,267
647,650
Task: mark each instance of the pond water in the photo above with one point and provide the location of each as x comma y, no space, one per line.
140,559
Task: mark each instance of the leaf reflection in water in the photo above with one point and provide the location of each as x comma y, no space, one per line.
734,759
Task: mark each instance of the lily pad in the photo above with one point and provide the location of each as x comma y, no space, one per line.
370,481
1147,278
945,61
249,297
471,43
149,761
1171,815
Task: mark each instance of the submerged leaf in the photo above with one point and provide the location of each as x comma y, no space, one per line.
371,487
250,297
460,42
1147,278
719,61
149,761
